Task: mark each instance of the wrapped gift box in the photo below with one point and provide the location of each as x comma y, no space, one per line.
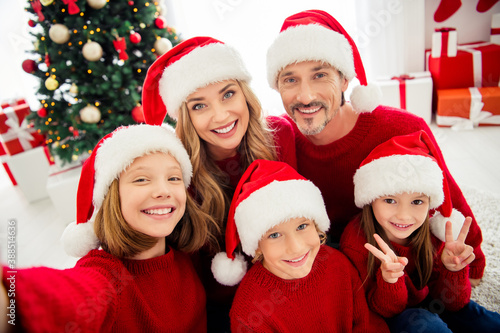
15,134
31,170
6,166
62,187
468,107
495,29
412,92
475,65
444,43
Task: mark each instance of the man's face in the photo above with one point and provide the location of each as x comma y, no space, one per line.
311,92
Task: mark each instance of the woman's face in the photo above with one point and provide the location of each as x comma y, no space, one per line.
220,115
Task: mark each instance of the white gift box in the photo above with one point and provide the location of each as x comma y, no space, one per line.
62,186
412,92
444,43
495,29
30,169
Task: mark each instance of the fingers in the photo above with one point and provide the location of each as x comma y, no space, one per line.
376,252
391,272
448,234
384,247
465,229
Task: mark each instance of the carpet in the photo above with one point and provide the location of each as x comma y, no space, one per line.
486,209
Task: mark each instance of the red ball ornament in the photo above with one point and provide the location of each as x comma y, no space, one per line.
31,23
135,38
161,22
29,66
138,114
42,112
130,3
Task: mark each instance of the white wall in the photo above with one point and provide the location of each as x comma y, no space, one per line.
250,26
14,40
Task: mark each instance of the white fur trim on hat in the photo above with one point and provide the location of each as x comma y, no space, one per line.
438,224
119,151
398,174
290,199
366,98
202,66
227,271
311,42
78,239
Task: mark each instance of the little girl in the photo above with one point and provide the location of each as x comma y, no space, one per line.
132,202
297,284
420,280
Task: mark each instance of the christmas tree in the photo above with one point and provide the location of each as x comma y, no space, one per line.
91,57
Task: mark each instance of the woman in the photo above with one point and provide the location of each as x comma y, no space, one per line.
203,84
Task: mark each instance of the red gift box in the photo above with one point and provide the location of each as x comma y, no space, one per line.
6,166
15,135
468,107
476,65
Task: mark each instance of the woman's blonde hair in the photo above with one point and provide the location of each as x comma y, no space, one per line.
210,185
420,243
121,240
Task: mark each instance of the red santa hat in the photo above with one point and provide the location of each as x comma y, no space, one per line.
192,64
268,193
408,163
314,35
112,155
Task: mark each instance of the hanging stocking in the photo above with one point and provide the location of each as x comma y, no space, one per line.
485,5
446,9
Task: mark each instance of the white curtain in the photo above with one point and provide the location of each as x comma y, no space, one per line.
391,36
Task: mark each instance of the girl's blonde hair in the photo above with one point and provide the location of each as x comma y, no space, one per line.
420,243
210,185
121,240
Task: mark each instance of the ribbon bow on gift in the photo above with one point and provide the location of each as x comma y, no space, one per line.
402,88
476,114
120,46
19,132
72,7
446,29
37,7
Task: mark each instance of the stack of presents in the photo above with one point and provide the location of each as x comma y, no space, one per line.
461,84
29,165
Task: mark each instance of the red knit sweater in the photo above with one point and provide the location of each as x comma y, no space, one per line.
331,168
284,143
105,294
329,299
452,289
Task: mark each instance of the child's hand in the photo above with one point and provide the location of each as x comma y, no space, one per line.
392,266
456,254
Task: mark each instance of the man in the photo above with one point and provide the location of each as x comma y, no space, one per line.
310,64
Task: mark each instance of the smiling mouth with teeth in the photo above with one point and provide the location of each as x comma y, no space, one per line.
158,211
402,225
308,111
297,260
226,129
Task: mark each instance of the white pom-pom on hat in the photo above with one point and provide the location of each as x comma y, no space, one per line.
227,271
366,98
438,224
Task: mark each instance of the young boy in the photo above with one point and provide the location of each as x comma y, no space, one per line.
296,284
